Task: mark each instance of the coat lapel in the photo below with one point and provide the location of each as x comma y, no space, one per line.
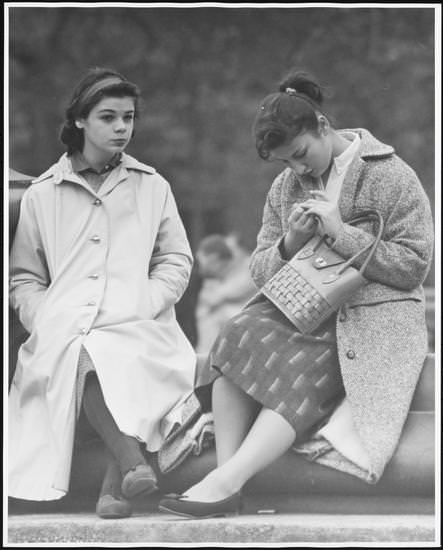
117,176
122,174
349,190
60,172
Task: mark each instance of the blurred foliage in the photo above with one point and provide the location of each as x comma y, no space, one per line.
203,71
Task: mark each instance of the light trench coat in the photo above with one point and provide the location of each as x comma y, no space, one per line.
102,270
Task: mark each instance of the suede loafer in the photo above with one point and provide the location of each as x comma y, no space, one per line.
141,479
112,507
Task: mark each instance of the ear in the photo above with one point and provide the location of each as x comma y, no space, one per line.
323,125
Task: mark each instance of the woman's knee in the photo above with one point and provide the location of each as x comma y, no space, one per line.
224,387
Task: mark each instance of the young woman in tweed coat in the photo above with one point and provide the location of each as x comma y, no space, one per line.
341,394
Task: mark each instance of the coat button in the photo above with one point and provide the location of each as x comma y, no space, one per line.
93,276
95,239
97,202
350,354
83,330
92,303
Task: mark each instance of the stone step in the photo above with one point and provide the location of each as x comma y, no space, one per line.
279,528
264,520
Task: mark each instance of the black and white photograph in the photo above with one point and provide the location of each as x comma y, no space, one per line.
222,281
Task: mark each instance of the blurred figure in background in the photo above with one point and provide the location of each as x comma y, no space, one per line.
227,285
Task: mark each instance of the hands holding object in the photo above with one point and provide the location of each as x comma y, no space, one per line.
325,212
317,214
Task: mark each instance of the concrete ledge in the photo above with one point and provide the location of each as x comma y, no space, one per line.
155,528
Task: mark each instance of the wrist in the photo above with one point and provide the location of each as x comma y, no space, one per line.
290,244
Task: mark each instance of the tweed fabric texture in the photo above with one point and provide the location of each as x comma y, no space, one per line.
381,334
296,375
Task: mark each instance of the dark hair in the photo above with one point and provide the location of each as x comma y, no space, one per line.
285,114
216,244
85,97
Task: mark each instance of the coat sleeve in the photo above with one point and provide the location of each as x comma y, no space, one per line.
29,274
266,259
402,258
171,261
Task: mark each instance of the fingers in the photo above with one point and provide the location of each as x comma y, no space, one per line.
303,220
309,223
310,203
298,216
319,195
313,212
296,212
315,207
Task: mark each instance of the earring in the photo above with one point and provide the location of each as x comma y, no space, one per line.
78,124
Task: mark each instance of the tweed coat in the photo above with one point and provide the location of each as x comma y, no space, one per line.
101,270
381,333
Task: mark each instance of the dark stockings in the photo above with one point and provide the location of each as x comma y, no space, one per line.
125,449
112,482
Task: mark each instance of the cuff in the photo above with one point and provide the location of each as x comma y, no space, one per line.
280,251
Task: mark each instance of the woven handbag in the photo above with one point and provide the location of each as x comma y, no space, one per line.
317,280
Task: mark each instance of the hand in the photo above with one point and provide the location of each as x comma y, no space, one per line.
302,227
301,224
326,211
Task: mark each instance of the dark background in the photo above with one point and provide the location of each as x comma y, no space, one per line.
203,71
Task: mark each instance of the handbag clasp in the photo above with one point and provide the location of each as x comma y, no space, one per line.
320,262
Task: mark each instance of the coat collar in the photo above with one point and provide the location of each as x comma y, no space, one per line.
62,170
80,164
370,149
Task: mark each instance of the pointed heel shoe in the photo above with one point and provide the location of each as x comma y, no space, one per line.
112,507
181,506
140,480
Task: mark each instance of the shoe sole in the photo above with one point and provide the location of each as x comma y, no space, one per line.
113,516
190,516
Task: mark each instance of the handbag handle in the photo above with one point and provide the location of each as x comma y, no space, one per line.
365,215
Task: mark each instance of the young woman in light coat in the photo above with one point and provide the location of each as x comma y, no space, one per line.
341,394
99,259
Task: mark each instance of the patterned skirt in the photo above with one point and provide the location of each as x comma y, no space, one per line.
296,375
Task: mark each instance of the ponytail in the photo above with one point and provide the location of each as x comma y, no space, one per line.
287,113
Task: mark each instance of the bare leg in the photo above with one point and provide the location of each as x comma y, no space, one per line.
234,411
269,437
